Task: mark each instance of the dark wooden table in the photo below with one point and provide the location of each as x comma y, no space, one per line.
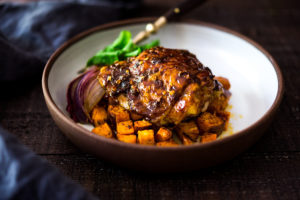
268,170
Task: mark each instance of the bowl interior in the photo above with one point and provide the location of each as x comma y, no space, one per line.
254,83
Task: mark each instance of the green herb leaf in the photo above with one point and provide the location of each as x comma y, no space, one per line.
120,49
151,44
133,53
107,58
123,39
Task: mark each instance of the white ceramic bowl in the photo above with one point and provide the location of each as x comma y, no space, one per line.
256,81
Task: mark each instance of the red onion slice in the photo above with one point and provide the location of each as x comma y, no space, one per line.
84,93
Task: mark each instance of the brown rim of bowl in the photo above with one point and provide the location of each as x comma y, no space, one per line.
236,135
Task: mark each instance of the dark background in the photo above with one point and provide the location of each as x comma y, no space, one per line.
268,170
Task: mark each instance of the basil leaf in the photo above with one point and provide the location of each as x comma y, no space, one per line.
104,58
133,53
151,44
123,39
120,49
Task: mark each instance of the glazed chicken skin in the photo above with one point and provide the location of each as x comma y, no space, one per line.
165,86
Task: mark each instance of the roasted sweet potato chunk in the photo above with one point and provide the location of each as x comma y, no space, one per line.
208,138
225,117
190,129
125,128
127,138
99,115
118,112
163,134
219,103
224,81
146,137
113,110
208,122
184,139
169,143
122,116
103,130
142,125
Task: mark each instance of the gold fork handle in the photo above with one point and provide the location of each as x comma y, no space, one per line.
172,14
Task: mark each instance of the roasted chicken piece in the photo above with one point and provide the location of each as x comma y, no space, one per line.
165,86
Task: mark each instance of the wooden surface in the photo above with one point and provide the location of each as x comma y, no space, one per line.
268,170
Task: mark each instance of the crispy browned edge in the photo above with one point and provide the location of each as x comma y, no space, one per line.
80,36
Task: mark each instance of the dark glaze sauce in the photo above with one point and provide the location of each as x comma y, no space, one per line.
155,84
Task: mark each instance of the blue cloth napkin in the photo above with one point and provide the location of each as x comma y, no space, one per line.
29,33
24,175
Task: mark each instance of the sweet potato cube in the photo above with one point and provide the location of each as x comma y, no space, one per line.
208,122
113,110
146,137
99,115
118,112
135,116
141,125
103,130
224,81
218,103
186,140
169,143
125,128
122,116
190,129
163,134
224,115
208,138
127,138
